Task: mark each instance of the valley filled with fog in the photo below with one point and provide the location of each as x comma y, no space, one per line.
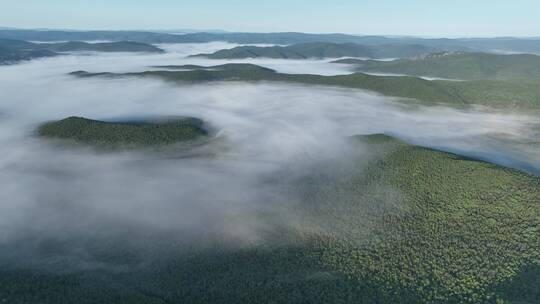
261,128
282,166
176,54
218,152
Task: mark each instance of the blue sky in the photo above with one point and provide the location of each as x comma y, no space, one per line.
389,17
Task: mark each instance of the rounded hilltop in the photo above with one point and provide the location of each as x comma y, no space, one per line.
147,132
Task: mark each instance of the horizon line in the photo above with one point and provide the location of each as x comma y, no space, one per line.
195,30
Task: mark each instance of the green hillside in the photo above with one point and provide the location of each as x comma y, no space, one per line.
230,67
465,66
143,133
321,50
519,95
411,226
120,46
13,51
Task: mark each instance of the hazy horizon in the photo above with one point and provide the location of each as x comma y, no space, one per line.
415,18
217,30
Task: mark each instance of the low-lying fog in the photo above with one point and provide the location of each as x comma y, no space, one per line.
48,191
176,54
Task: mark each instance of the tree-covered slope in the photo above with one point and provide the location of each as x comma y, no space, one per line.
468,229
466,66
502,94
12,51
120,46
136,133
321,50
413,225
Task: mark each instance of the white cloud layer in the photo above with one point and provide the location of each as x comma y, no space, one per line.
49,191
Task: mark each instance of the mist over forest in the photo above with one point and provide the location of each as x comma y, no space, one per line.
300,186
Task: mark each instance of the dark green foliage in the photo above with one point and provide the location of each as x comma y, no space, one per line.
321,50
144,133
454,231
501,94
467,225
465,66
522,288
285,275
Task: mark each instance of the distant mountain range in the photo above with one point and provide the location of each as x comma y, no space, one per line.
326,50
503,44
12,51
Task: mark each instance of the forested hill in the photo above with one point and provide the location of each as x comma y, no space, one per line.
464,66
412,226
323,50
125,133
12,51
517,95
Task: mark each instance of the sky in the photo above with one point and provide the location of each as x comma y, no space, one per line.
464,18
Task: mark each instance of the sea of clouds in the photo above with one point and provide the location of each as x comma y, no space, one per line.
50,192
